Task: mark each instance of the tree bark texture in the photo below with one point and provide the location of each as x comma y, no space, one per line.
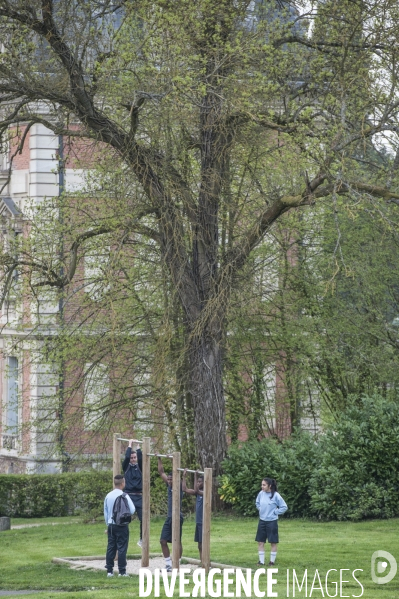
206,381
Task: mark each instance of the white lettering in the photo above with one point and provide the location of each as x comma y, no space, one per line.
227,582
304,581
199,582
341,581
271,581
156,582
218,583
169,587
319,588
358,582
334,583
145,592
257,592
183,581
242,583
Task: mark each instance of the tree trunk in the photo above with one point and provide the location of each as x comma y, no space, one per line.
206,382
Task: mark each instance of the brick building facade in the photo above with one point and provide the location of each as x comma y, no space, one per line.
25,380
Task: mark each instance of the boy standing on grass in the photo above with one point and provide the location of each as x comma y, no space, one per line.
166,534
118,535
198,491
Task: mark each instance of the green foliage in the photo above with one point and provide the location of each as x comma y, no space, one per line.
70,493
290,463
350,473
42,495
358,474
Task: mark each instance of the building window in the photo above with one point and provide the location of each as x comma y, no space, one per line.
96,389
12,419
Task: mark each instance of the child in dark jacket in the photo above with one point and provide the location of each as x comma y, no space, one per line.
132,468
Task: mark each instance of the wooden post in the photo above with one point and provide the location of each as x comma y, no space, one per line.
206,520
116,461
145,549
176,511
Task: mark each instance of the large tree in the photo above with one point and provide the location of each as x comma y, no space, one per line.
227,115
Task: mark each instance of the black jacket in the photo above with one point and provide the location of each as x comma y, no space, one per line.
133,476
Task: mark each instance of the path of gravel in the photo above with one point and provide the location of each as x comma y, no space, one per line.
16,526
133,565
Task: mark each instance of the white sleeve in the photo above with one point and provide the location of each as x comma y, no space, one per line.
131,504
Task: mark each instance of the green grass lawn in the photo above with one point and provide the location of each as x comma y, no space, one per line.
25,554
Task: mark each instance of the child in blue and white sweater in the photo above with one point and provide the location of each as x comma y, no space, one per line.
270,506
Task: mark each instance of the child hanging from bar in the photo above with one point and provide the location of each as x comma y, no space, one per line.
198,491
166,534
132,468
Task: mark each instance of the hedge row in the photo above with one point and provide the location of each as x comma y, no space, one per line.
350,473
41,495
69,494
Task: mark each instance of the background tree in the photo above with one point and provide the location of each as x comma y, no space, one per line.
326,323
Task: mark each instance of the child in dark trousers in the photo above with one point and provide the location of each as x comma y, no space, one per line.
198,491
166,534
118,535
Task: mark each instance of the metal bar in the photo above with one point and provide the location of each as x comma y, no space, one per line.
176,543
145,549
161,455
193,471
128,440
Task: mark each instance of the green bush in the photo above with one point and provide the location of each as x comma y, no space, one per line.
350,473
291,463
70,493
42,495
358,474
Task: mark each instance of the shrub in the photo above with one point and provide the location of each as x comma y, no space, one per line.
70,493
41,495
291,463
358,474
350,473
